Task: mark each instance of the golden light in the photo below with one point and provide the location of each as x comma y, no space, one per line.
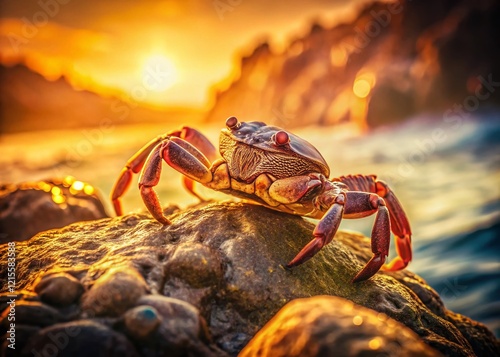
78,185
361,88
159,73
88,190
357,320
375,343
58,199
56,191
68,180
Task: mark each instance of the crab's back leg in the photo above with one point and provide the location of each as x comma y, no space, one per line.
400,225
136,162
361,204
133,166
181,156
201,142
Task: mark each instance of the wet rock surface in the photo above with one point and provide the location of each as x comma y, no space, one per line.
32,207
332,326
205,285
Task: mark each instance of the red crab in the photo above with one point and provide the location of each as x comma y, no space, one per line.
280,170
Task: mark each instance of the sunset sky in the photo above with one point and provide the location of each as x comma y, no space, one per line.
164,53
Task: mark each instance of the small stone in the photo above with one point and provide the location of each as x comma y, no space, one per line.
79,339
332,326
182,331
23,333
60,289
32,313
178,317
141,320
114,292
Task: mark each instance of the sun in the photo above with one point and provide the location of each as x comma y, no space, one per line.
159,73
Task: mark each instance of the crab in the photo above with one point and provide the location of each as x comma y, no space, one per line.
280,170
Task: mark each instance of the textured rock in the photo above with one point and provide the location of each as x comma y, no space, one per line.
239,250
332,326
32,207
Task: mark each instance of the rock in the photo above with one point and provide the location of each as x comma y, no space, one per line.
114,292
141,321
178,327
60,289
332,326
243,248
80,338
23,333
31,207
32,313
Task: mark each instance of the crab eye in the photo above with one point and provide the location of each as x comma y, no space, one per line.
232,123
281,138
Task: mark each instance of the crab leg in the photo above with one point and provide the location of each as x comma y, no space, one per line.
323,233
133,166
199,141
400,225
136,162
180,155
360,204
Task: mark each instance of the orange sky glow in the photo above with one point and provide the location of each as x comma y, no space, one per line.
161,53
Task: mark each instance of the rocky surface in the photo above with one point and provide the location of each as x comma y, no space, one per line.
414,56
208,283
332,326
31,207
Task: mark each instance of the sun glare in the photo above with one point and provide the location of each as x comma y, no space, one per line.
159,73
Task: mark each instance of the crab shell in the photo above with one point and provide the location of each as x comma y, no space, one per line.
254,148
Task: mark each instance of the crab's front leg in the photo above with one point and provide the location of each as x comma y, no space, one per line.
339,203
293,190
181,156
324,231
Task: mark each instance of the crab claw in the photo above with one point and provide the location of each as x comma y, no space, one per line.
323,233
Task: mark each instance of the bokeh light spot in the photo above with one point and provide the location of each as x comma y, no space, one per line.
361,88
88,189
357,320
375,343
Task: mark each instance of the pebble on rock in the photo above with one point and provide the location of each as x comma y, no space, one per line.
114,292
59,289
141,321
79,339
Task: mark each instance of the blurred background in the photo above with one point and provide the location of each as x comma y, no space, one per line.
407,90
